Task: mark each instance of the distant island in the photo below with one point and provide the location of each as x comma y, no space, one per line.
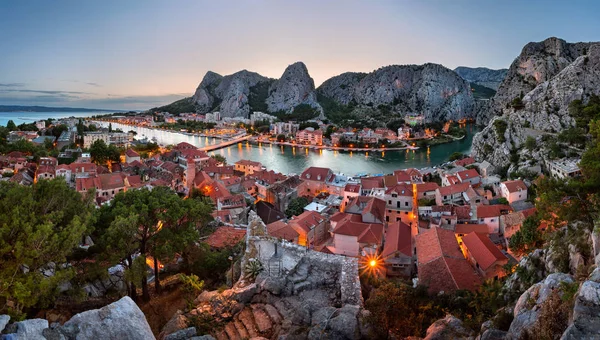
17,108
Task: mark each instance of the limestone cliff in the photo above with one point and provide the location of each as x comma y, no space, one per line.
538,62
482,76
431,90
295,87
550,80
228,95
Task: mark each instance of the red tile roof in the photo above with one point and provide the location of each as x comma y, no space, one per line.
131,153
398,238
467,174
454,189
482,249
364,204
354,188
111,181
184,146
515,186
426,187
441,264
372,183
464,161
402,176
280,229
352,225
248,163
225,237
316,174
307,220
402,189
469,228
462,212
485,211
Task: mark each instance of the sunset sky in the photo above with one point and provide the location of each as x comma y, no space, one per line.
140,54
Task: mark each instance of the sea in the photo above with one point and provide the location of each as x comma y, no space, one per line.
30,117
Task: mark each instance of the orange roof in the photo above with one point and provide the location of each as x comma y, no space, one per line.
447,275
467,174
454,189
184,146
469,228
364,204
402,176
452,179
354,188
111,181
316,174
402,189
464,161
483,250
225,237
485,211
515,186
248,163
427,186
441,264
436,242
307,219
131,153
280,229
352,225
372,183
398,239
462,212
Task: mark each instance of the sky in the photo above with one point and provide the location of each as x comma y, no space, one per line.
139,54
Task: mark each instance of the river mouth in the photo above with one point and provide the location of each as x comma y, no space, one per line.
294,160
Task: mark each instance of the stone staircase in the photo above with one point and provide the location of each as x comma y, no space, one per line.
254,321
299,277
275,266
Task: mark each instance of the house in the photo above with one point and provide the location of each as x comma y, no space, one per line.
268,213
374,186
564,168
225,237
358,230
464,162
481,252
63,171
281,193
45,172
397,251
247,167
470,176
351,190
131,156
513,191
452,194
426,190
399,203
312,228
310,136
441,265
315,180
490,216
282,230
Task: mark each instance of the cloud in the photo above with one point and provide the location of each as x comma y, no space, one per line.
12,84
43,91
94,84
82,82
73,99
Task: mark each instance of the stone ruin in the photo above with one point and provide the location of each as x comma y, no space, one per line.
299,294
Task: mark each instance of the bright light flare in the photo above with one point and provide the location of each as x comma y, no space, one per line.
371,264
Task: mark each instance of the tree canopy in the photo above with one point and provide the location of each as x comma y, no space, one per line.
40,226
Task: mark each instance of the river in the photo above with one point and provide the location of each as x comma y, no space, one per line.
287,159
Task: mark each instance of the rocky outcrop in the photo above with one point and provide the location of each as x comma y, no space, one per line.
119,320
553,74
295,87
448,328
204,97
430,90
228,94
538,62
586,313
482,76
299,294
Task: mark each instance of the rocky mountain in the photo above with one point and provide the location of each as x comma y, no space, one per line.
431,90
537,63
228,95
389,92
295,87
482,76
548,76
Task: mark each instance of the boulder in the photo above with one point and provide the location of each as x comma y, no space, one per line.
586,313
493,334
345,324
122,319
31,329
178,322
4,319
183,334
449,327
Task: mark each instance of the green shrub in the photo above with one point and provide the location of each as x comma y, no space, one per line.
500,128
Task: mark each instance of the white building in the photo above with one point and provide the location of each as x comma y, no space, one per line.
284,128
564,168
513,191
40,124
258,116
